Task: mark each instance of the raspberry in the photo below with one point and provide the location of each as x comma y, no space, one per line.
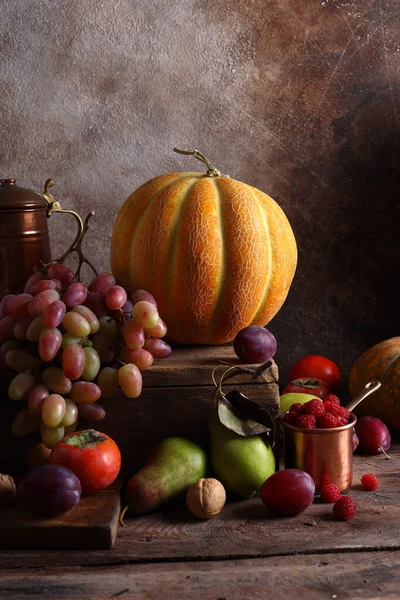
330,493
306,422
314,407
330,407
341,421
344,508
332,398
369,481
290,417
337,410
327,421
297,407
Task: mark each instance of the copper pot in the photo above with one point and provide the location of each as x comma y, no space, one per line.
324,453
24,236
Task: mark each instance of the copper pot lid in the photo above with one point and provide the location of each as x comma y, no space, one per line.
13,197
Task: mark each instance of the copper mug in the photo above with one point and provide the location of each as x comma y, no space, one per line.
24,237
325,453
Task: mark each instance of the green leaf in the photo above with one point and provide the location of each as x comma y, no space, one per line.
235,420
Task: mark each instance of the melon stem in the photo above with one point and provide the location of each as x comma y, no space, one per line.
212,171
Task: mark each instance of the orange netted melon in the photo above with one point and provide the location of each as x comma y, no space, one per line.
217,254
381,362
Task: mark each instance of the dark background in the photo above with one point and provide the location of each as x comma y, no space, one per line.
299,98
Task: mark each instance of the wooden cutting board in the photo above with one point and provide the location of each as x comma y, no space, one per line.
92,524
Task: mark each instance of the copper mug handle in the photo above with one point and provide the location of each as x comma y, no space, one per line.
53,206
368,389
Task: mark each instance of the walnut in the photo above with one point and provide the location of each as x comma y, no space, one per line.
8,489
206,498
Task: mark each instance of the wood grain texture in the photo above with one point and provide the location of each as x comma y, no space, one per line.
245,530
92,524
359,576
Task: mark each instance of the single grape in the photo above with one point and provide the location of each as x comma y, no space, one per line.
7,325
157,348
146,313
56,381
20,386
130,380
108,382
141,358
159,331
133,334
127,309
21,328
20,361
24,423
35,329
115,297
35,399
55,313
96,304
105,348
254,344
71,428
75,294
4,349
89,316
34,278
38,305
92,364
50,490
73,361
76,324
92,412
108,327
17,306
102,283
44,284
51,435
85,392
71,413
49,343
62,273
288,492
140,295
69,339
53,410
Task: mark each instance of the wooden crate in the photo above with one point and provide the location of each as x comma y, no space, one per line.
176,399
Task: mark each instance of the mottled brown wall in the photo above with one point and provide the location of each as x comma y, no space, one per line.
297,97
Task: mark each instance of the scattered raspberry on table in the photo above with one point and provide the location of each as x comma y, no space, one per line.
330,493
369,481
344,509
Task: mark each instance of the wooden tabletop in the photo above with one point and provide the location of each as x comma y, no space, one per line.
243,553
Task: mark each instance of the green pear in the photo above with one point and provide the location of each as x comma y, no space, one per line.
241,463
172,467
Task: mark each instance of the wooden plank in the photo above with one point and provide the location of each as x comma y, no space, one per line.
193,365
244,529
358,576
93,523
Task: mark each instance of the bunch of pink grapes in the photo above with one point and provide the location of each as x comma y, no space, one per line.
69,345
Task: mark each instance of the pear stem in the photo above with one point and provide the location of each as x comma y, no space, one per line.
121,515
